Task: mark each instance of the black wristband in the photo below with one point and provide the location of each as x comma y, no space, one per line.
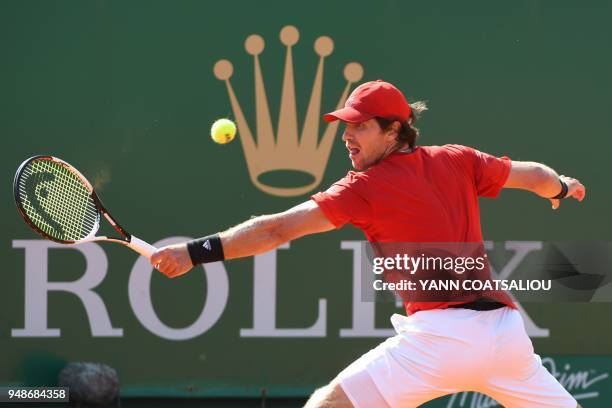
206,249
563,192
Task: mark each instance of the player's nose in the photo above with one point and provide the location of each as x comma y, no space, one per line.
346,136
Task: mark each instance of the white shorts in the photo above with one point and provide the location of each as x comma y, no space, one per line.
440,352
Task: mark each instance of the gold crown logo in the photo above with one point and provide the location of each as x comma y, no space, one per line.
288,150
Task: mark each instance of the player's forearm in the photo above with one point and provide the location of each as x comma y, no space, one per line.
535,177
252,237
546,183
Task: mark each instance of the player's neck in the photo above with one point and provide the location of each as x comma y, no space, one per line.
402,148
405,149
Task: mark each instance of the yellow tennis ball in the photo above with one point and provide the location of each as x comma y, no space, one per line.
223,131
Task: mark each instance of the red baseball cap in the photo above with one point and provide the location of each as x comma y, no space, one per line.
370,99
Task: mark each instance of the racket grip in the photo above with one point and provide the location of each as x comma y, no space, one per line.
143,248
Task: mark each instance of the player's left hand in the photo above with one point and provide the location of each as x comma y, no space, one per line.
172,260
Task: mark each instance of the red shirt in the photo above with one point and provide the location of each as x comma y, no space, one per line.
428,195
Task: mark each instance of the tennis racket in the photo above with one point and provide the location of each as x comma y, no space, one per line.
58,202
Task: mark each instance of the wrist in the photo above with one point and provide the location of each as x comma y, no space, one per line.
206,249
563,193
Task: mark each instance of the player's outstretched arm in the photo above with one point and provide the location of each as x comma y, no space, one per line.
252,237
543,181
266,232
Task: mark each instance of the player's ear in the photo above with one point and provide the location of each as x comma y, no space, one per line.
394,129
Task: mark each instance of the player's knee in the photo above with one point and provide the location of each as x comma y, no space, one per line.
317,397
321,398
329,396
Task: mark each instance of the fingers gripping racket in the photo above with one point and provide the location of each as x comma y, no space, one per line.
58,202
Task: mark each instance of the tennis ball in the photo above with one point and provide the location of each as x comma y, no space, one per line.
223,131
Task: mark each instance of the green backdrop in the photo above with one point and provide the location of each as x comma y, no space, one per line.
125,91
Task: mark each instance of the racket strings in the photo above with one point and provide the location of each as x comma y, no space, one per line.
56,201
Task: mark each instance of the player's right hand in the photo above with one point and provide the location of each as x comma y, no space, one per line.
172,260
575,189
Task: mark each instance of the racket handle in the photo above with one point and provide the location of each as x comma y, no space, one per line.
141,247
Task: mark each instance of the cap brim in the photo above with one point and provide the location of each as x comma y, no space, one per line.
347,114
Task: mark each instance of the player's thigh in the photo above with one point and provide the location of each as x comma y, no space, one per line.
329,396
539,389
362,391
393,375
516,376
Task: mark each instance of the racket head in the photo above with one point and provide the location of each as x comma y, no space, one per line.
56,200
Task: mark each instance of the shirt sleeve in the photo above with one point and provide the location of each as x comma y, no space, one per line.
343,203
489,172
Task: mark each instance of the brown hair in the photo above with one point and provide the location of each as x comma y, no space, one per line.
407,132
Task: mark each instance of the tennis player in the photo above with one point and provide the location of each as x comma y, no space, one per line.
402,192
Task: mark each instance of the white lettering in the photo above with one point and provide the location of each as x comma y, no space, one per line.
264,303
37,286
521,250
364,313
139,292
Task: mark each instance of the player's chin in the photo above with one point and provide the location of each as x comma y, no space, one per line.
357,165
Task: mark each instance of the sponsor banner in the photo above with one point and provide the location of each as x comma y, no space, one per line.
586,378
